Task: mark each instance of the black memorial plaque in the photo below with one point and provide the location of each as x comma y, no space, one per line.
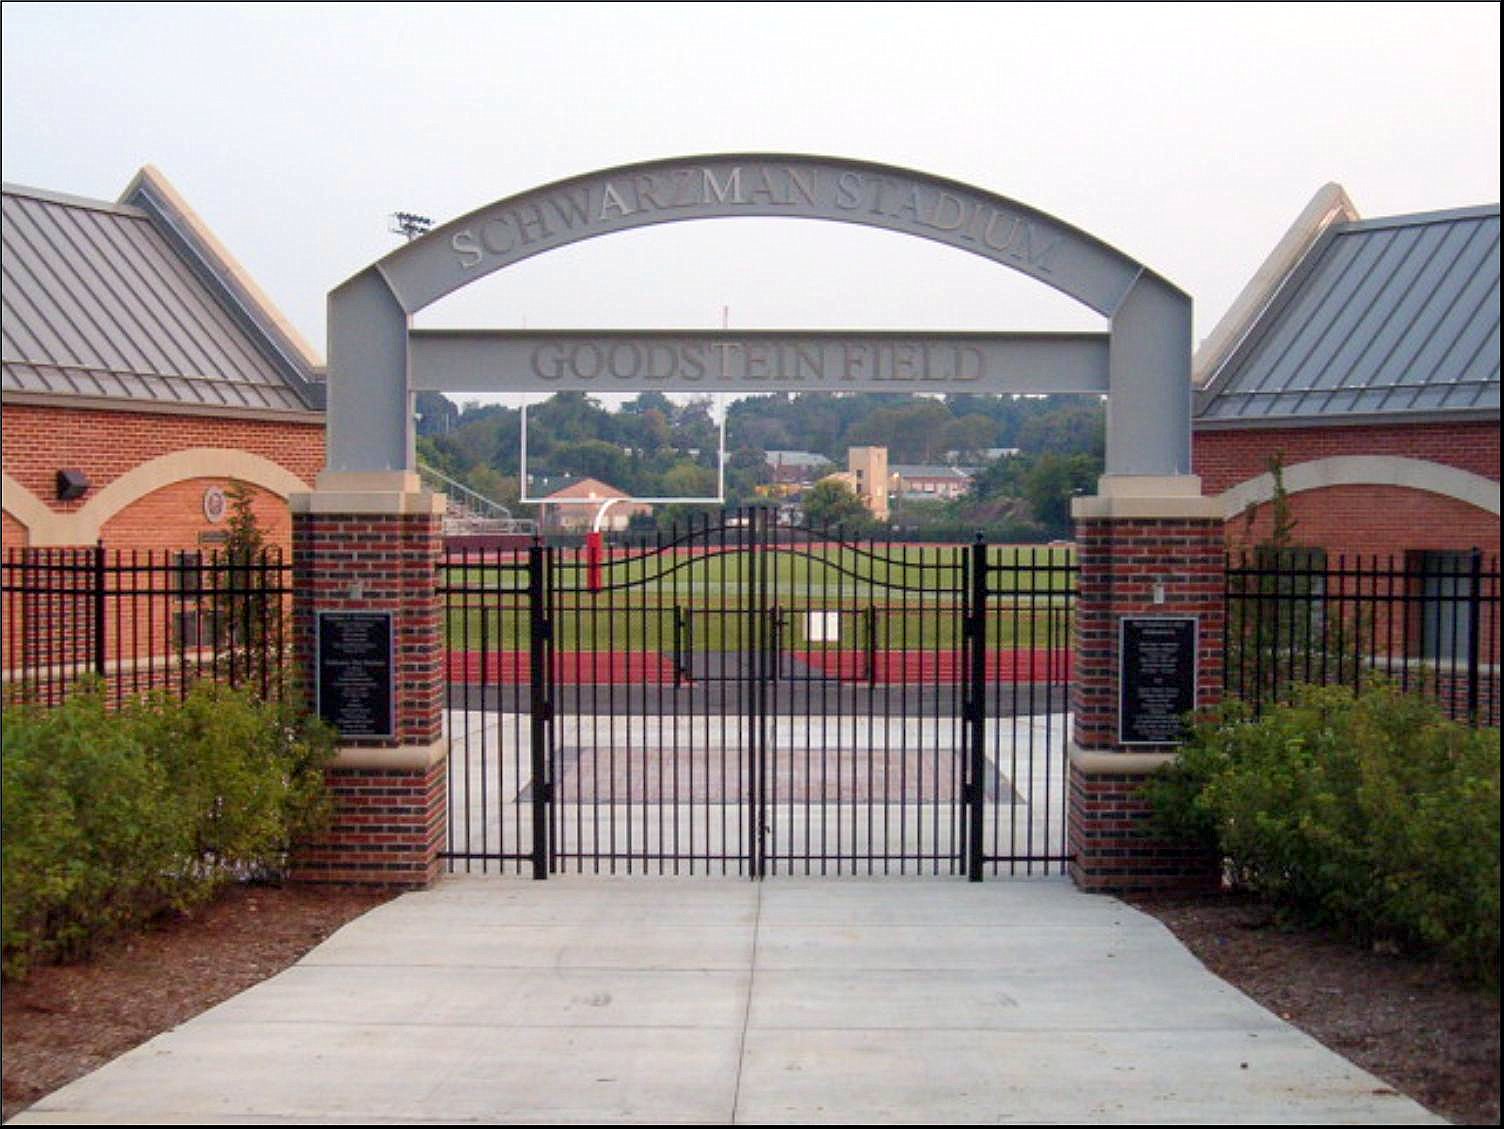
1156,678
354,673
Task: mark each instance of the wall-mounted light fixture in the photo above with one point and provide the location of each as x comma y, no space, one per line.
71,484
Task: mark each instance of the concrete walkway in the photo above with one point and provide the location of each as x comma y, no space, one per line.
647,1000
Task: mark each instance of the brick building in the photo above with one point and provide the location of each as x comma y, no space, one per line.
140,359
796,468
946,482
866,476
1365,355
572,508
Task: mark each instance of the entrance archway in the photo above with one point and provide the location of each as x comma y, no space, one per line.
377,361
1150,545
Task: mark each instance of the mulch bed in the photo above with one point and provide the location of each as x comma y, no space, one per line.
63,1021
1404,1020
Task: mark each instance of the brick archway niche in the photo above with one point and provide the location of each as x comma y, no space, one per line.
367,537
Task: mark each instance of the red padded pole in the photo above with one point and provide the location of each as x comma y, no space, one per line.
593,560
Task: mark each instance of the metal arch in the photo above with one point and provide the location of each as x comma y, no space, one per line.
370,379
995,227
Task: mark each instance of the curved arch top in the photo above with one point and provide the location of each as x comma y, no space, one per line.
756,184
83,526
370,351
1366,470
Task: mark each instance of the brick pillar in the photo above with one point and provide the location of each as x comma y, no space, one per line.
1145,547
371,542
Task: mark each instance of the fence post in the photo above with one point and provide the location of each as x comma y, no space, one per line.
538,707
678,646
1474,630
99,616
976,707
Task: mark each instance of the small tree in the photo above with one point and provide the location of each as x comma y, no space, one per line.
1282,531
1279,631
831,502
249,616
244,541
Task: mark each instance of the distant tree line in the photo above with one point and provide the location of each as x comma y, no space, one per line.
654,447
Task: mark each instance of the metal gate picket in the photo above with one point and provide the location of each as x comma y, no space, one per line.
864,752
650,759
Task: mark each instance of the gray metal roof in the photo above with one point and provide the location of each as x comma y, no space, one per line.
931,470
95,302
795,458
1395,316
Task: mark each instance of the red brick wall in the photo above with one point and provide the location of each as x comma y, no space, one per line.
394,561
1225,458
106,444
173,518
1359,519
387,829
1382,520
1113,844
39,441
140,628
1120,561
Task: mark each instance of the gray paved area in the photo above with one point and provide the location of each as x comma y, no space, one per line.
793,1000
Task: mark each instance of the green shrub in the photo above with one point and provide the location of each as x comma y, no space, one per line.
90,830
241,772
1372,813
112,816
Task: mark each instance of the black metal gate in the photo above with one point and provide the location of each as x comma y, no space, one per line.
755,699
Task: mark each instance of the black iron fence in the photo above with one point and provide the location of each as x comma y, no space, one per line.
142,620
1022,666
748,698
1427,622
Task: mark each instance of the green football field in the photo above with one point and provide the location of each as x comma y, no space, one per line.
905,597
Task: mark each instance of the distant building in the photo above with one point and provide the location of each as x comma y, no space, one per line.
868,469
799,468
776,490
572,508
940,482
987,455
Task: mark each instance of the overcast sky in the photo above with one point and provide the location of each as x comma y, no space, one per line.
1187,136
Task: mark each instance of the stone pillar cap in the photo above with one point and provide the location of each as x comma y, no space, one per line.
1147,496
368,492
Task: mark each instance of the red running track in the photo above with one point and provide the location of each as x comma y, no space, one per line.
629,668
1012,665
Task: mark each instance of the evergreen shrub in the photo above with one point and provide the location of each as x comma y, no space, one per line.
1372,813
